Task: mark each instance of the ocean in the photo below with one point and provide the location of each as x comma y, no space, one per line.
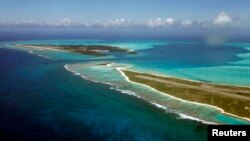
49,95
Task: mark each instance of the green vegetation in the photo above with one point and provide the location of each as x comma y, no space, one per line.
232,99
95,50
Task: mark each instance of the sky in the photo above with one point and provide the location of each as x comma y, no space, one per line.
127,14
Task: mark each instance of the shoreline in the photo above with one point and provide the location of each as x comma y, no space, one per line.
127,78
132,93
120,69
190,80
40,48
93,50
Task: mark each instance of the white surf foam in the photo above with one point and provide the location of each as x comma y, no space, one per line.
40,55
181,116
43,56
110,64
31,52
84,77
159,106
166,109
74,72
125,91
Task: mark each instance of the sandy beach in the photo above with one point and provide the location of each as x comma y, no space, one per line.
202,88
43,48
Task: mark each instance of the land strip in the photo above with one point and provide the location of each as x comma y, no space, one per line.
94,50
232,99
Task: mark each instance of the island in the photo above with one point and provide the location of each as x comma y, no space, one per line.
94,50
233,100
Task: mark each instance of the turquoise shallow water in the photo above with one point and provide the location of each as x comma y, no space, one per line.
47,102
88,94
183,110
130,44
225,64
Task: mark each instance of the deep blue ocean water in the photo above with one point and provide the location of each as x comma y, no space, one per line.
46,102
41,100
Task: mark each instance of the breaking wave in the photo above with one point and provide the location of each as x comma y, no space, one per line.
181,116
40,55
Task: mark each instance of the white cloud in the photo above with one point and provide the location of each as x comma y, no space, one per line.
160,22
26,22
64,22
121,22
169,21
187,23
222,19
219,22
154,22
23,22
